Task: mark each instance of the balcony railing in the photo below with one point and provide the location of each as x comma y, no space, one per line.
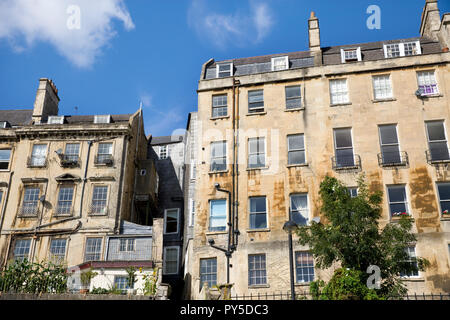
36,162
104,159
98,210
69,160
437,156
28,211
392,159
62,210
352,162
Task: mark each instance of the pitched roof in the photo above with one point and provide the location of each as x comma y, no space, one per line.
16,117
166,139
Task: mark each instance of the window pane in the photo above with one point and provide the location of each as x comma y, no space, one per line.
5,154
304,264
293,92
344,157
343,138
171,221
93,249
388,134
444,191
218,215
296,142
22,249
208,271
258,204
296,157
257,269
397,194
299,209
436,131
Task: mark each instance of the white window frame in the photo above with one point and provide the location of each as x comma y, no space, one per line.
218,65
418,271
285,60
33,156
29,248
254,270
334,94
390,144
106,118
336,148
191,211
257,109
257,153
165,220
51,255
256,213
421,73
428,136
165,261
164,147
377,96
55,120
296,150
9,160
358,54
401,46
127,242
439,196
406,201
193,171
226,215
93,252
219,106
298,266
224,157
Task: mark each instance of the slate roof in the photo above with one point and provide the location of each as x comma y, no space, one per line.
165,140
23,117
16,117
331,55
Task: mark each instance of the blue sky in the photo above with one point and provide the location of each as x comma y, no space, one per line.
126,51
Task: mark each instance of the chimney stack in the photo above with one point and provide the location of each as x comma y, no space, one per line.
46,103
314,38
431,20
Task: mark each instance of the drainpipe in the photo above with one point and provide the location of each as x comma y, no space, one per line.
119,197
132,215
6,200
236,165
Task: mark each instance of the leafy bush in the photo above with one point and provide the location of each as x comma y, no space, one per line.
346,284
27,277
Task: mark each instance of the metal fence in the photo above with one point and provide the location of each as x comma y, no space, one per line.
305,296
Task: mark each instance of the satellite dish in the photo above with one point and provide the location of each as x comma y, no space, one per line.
418,94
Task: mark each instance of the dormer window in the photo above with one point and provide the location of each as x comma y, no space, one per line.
352,54
224,70
395,50
280,63
102,119
55,120
4,125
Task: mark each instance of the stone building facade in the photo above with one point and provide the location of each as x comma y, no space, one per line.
168,154
272,127
69,183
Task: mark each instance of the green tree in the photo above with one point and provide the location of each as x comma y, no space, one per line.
351,236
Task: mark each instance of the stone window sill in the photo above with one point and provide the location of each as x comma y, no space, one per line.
297,165
258,286
256,113
213,233
437,95
294,109
218,171
302,284
340,104
445,218
219,118
258,230
383,100
259,168
413,279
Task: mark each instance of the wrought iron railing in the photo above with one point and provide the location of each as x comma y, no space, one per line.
28,211
352,162
437,156
392,159
62,210
104,159
98,210
37,162
69,160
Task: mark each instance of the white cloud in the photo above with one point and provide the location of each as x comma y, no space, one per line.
238,28
24,22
